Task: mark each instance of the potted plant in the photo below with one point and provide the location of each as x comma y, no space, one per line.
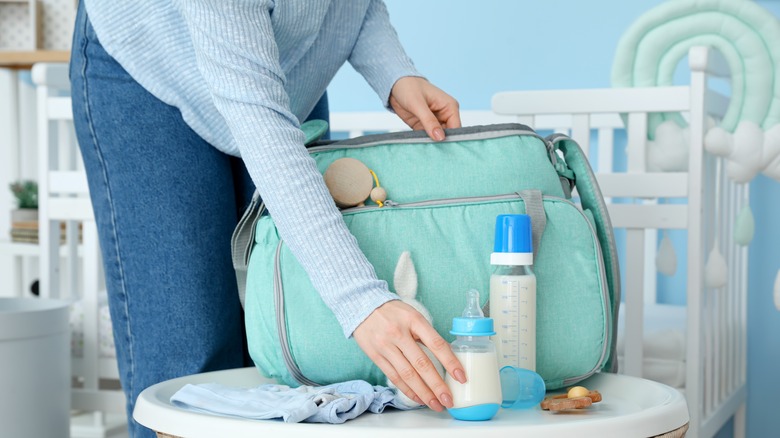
24,220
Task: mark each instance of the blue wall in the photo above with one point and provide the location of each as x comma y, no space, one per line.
475,49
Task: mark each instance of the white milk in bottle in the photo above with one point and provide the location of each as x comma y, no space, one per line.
513,292
480,397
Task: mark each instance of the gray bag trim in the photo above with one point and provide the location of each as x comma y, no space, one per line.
281,323
477,132
281,316
242,240
482,132
534,207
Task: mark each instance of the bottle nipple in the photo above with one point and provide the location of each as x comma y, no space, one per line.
472,309
472,321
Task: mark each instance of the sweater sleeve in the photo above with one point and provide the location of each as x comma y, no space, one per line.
238,58
378,54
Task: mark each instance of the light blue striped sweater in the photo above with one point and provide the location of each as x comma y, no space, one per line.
244,73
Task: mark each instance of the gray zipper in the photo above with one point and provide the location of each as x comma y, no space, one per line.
605,300
453,135
281,319
281,323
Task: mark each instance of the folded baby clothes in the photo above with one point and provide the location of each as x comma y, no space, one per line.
334,403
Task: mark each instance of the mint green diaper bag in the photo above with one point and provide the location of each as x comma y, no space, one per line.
443,198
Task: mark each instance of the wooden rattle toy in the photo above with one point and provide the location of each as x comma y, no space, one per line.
578,397
350,182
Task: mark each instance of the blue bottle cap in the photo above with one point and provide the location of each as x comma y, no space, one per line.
513,244
465,326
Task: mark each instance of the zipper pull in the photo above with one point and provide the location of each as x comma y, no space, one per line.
391,204
551,151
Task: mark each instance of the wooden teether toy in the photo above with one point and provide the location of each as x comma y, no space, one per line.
350,182
578,397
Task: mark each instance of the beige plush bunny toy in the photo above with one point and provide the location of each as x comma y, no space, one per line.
405,283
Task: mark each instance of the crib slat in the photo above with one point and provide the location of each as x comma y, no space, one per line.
741,321
68,181
60,108
730,316
107,401
637,140
666,216
716,419
693,376
606,139
580,132
709,362
90,300
606,100
527,120
651,238
563,122
643,185
69,209
635,242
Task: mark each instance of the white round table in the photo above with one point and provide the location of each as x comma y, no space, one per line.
631,407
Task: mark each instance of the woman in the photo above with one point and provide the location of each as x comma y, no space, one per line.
167,94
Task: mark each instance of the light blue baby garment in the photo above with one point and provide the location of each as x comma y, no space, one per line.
334,403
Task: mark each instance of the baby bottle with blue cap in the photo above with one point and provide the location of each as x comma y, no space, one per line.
480,397
513,292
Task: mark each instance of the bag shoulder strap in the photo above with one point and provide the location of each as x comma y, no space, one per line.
592,199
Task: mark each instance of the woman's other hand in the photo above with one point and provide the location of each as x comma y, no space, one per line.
423,106
389,337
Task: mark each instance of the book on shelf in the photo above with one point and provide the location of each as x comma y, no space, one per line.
27,232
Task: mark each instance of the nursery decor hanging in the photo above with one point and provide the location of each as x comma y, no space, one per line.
744,227
748,37
666,258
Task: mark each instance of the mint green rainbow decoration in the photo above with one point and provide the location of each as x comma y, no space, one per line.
748,38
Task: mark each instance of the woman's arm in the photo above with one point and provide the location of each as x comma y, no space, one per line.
239,60
380,58
389,335
237,56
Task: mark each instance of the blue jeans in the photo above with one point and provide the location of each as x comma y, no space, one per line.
165,203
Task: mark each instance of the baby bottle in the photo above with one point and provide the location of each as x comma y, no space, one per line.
480,397
513,292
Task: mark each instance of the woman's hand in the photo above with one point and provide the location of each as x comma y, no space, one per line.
423,106
389,337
